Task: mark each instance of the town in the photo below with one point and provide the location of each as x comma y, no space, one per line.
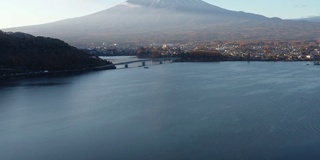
221,50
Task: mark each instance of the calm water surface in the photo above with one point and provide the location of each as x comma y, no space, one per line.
187,111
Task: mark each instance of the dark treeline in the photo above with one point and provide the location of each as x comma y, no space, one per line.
20,52
144,52
201,56
189,56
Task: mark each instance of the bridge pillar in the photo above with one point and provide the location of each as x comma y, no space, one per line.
143,63
126,66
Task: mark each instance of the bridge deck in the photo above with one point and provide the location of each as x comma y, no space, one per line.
145,60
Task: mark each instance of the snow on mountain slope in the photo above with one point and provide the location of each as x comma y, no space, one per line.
170,20
174,4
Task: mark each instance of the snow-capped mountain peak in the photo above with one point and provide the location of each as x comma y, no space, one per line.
170,21
130,5
176,4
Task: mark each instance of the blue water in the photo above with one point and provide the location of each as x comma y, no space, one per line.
187,111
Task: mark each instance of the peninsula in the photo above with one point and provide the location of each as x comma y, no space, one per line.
23,55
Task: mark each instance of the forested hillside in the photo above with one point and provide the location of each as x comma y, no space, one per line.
20,52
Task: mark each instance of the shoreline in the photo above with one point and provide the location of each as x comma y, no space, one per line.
54,73
112,67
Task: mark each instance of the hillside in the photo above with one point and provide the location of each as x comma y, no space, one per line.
21,53
172,21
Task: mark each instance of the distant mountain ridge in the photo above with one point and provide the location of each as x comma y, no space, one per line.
311,19
145,21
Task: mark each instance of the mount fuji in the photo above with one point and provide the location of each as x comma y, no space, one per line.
139,21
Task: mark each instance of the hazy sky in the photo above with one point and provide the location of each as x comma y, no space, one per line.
28,12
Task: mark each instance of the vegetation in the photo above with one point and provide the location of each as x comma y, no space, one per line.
144,52
20,53
268,50
201,56
190,56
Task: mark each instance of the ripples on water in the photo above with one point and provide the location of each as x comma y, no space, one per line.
230,110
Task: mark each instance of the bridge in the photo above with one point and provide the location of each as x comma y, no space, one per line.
143,61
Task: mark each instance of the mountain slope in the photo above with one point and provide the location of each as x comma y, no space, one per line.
171,21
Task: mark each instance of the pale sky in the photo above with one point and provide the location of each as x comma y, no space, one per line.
29,12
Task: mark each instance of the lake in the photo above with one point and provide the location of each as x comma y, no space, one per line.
187,111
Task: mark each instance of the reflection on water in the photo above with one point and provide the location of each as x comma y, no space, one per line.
174,111
42,84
